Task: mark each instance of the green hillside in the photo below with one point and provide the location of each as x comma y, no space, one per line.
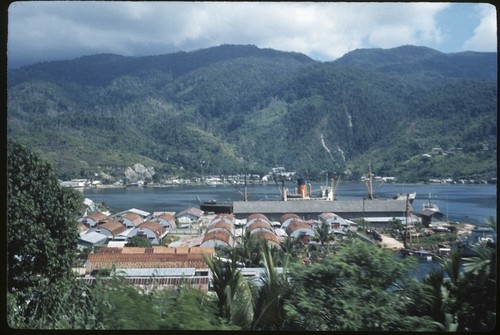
234,109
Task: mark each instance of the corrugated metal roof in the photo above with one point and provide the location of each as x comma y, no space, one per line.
154,226
116,244
258,223
288,216
150,260
97,216
138,211
257,216
267,235
93,237
125,233
297,224
221,224
221,235
191,211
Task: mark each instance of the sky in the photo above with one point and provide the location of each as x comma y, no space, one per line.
60,30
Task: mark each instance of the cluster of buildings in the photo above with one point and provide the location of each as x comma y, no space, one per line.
225,229
99,229
162,266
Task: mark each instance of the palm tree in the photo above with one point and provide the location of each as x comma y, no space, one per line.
484,261
292,248
269,311
234,298
467,301
322,232
248,251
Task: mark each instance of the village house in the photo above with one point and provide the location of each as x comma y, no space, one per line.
189,215
299,228
131,220
154,231
334,221
167,220
109,227
91,239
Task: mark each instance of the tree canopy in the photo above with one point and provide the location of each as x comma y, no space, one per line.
234,109
41,221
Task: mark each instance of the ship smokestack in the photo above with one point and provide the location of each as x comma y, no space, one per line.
302,187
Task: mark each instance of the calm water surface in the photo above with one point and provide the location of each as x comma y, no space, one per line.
464,203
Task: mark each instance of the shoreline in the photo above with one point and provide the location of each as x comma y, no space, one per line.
107,186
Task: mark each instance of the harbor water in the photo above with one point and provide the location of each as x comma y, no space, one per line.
467,203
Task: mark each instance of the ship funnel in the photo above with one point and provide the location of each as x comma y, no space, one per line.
302,187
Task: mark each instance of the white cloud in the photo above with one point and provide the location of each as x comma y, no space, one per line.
322,30
485,34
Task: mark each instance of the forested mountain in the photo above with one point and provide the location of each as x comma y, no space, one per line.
235,108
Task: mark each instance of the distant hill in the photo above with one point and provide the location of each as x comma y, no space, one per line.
239,108
416,60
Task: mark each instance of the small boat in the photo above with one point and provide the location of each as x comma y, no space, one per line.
430,206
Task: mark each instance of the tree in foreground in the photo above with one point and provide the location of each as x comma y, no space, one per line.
466,301
269,298
234,299
41,237
362,288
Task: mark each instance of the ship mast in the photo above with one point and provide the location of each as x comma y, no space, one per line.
406,225
370,182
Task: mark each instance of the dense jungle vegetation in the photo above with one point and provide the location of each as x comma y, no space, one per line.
345,286
237,108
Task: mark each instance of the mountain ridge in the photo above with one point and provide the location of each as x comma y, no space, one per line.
232,108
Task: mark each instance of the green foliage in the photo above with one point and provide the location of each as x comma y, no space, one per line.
467,301
243,109
42,227
190,309
138,241
363,288
269,299
234,299
63,304
43,292
124,306
322,233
